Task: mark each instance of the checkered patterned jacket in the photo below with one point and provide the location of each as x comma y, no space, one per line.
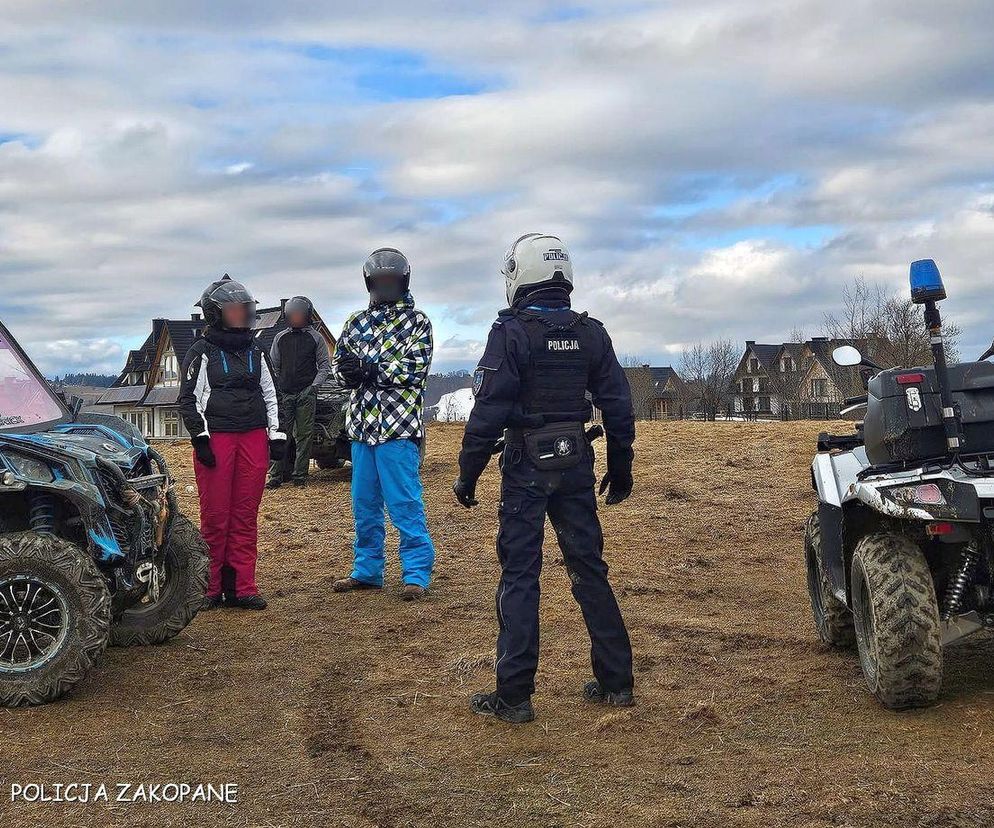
397,337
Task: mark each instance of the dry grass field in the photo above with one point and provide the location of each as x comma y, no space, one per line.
350,710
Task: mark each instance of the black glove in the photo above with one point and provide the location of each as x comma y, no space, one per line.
277,450
617,489
202,448
465,492
370,371
351,371
618,480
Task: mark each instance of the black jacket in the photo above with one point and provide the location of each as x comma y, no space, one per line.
227,385
300,359
522,341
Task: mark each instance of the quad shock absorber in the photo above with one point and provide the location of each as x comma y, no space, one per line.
41,514
962,578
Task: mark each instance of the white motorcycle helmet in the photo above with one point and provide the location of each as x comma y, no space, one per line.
533,259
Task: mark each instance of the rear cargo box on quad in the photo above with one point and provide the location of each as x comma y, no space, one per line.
904,415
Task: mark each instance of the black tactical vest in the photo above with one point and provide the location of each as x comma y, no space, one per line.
561,354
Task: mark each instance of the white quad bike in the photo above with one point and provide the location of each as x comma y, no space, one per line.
900,552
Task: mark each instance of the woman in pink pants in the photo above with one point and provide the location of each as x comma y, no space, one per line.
229,404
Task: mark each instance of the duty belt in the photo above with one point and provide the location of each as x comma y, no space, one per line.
515,437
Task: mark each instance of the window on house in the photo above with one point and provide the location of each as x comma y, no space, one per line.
753,366
787,365
137,419
764,404
168,374
819,388
170,423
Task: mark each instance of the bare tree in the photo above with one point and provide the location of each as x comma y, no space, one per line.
708,368
642,384
889,326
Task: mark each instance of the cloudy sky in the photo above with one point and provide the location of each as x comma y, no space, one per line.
718,168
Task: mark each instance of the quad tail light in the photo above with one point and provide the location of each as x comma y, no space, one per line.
910,379
927,494
940,528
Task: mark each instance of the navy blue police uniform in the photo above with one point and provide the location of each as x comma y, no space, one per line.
540,361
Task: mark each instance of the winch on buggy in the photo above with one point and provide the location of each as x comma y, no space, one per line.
900,552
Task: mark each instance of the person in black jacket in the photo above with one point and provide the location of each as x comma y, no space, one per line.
299,356
541,360
229,405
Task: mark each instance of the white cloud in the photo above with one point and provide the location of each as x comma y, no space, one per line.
717,167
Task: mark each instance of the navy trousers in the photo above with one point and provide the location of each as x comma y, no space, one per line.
567,496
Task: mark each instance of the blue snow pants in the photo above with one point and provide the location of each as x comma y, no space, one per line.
388,473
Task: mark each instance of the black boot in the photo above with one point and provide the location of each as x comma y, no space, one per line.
228,594
211,602
251,602
273,483
490,704
594,693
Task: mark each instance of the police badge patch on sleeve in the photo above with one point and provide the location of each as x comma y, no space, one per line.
478,376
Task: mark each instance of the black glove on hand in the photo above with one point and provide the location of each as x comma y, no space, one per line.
465,493
202,448
370,371
351,371
618,480
617,488
277,450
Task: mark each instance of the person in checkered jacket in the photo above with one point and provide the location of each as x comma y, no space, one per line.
383,356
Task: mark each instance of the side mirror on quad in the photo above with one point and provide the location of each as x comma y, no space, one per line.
988,353
847,356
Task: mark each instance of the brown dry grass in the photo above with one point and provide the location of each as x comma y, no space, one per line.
351,710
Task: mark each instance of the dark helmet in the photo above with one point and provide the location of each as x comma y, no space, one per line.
387,262
299,303
225,291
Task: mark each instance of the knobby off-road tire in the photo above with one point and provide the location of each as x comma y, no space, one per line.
56,602
833,620
182,594
897,621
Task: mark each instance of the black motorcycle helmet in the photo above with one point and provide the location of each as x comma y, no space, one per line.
225,291
388,275
299,303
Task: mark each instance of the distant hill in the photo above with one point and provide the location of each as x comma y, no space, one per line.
439,384
455,406
88,380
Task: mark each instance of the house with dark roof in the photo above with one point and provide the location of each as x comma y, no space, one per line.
795,379
657,392
146,392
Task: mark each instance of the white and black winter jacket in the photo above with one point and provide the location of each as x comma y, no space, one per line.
227,385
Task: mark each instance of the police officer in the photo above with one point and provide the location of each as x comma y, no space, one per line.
541,359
